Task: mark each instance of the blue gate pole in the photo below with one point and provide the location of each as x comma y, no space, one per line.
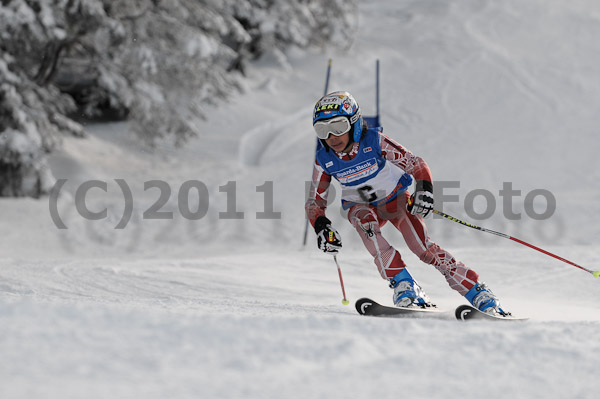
324,92
377,91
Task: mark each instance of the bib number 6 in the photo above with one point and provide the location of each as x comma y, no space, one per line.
367,193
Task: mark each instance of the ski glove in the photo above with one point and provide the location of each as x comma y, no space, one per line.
421,202
328,239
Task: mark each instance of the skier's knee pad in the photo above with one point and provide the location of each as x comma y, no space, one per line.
370,229
360,215
364,221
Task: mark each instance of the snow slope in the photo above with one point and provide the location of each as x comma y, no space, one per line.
487,92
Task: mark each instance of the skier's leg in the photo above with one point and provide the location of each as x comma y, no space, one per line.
407,291
367,222
386,258
458,276
414,230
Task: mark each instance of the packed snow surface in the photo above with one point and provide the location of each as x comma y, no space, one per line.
231,305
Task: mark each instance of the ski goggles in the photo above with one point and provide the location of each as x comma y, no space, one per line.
337,126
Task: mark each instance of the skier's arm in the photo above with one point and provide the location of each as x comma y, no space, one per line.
421,202
328,239
316,203
406,160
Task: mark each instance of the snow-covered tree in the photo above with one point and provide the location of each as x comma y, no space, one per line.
155,62
32,110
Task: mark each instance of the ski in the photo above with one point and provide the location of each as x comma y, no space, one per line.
368,307
467,312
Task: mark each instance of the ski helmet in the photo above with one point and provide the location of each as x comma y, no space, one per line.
340,103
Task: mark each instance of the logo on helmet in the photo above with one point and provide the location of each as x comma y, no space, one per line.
327,107
348,108
329,100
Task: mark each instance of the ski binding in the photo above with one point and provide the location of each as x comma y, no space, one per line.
368,307
467,312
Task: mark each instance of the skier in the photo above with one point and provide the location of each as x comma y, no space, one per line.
375,173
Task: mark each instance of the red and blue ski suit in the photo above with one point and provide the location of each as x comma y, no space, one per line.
375,176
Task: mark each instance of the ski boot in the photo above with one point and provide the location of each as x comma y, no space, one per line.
482,298
407,292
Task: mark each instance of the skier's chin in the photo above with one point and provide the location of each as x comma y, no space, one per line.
338,147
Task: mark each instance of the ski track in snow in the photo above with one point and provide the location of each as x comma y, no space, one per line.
485,91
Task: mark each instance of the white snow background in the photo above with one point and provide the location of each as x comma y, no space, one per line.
485,91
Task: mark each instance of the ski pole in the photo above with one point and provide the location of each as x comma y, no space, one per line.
344,300
594,273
